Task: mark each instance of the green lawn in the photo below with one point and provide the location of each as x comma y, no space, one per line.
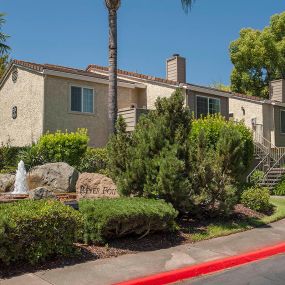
223,228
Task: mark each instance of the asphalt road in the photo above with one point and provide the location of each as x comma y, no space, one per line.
265,272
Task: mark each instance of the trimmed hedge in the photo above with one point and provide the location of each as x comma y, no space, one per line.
63,146
31,231
105,219
257,199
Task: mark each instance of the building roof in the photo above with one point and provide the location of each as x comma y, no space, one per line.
41,67
133,74
89,71
127,74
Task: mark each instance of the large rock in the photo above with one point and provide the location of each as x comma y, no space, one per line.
41,193
94,185
56,177
7,182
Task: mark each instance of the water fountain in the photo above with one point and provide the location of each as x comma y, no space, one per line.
21,186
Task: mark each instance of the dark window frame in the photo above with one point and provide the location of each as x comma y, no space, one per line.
282,131
72,110
208,105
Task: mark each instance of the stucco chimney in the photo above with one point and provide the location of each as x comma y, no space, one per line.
277,90
176,68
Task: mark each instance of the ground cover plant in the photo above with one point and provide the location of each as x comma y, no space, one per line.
32,231
106,219
226,227
189,231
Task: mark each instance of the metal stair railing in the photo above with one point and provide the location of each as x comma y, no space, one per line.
278,168
270,156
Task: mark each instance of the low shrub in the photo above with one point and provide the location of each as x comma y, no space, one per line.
279,189
94,160
63,147
105,219
257,176
31,156
214,127
257,199
8,158
31,231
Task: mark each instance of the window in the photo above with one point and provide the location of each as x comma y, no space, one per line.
15,75
82,99
282,121
207,105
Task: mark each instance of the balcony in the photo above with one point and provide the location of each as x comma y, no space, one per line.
131,116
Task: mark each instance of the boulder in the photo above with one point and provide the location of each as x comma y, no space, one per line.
7,182
56,177
94,185
41,193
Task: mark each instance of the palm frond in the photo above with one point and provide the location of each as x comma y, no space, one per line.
187,4
3,37
4,49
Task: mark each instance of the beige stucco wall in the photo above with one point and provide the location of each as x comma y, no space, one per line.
154,91
59,117
27,95
148,96
268,122
252,109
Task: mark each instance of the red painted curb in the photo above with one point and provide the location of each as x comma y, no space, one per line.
207,267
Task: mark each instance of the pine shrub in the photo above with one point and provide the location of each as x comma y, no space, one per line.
153,159
105,219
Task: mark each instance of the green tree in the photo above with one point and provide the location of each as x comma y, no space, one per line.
153,164
189,163
220,86
210,177
258,57
113,6
117,149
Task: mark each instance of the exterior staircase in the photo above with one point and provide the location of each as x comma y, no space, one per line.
271,162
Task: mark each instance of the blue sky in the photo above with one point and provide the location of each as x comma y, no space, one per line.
75,33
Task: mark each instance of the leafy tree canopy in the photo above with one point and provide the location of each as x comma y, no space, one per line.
220,86
258,57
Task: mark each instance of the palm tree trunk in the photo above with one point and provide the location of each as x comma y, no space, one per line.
112,96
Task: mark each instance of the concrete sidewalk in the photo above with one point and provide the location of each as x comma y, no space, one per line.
110,271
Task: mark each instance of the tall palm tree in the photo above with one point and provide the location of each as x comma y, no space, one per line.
3,37
113,6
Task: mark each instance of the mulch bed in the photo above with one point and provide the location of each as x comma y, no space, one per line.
242,211
129,245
